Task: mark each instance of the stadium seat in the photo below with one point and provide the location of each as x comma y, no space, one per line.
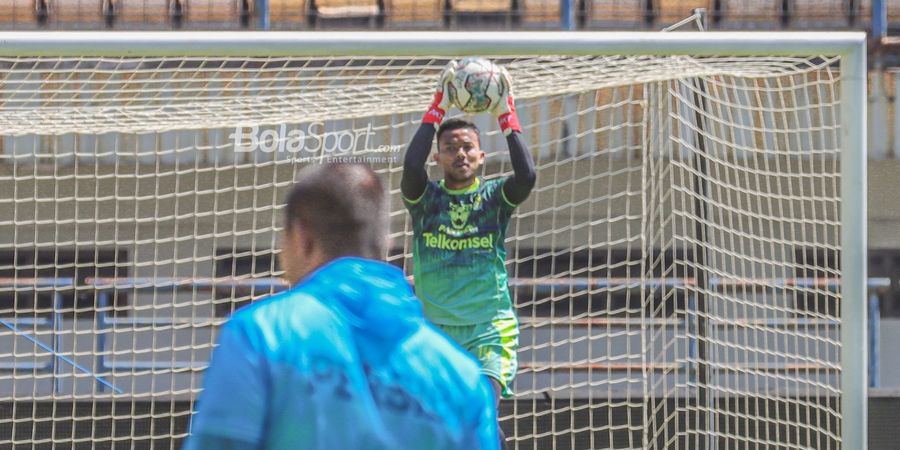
75,14
819,13
541,12
481,12
143,13
346,8
18,13
413,13
287,13
613,14
481,6
865,11
893,11
748,14
353,13
668,12
217,13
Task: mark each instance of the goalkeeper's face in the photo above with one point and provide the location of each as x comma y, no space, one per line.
459,154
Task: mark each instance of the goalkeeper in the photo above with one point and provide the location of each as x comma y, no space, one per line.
344,360
459,225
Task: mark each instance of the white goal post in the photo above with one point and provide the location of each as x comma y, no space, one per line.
708,160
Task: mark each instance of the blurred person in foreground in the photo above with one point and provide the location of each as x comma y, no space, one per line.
344,359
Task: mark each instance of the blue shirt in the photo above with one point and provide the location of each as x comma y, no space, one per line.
344,360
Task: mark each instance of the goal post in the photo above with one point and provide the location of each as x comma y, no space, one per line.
853,234
690,271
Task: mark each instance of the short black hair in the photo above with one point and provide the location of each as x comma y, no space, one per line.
344,206
457,124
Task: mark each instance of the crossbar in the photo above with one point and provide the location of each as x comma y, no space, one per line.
350,43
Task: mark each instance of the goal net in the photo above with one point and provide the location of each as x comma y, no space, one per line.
688,271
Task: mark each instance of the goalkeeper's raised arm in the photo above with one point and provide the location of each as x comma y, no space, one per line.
415,177
517,187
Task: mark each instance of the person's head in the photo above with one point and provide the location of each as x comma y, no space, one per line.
459,150
333,210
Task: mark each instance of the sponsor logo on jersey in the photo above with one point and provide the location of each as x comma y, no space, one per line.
459,214
445,242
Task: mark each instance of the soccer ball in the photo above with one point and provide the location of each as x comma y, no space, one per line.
476,87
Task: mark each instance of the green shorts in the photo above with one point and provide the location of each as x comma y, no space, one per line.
494,344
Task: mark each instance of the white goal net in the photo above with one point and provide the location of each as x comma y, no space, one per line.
680,269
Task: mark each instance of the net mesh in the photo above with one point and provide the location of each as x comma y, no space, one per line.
674,270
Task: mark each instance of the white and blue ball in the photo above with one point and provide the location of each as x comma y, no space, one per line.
476,87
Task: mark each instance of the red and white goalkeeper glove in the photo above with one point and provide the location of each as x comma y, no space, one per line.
506,109
441,103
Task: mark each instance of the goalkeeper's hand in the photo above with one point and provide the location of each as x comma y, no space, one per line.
506,108
441,102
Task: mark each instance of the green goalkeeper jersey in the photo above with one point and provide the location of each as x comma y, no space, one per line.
458,253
